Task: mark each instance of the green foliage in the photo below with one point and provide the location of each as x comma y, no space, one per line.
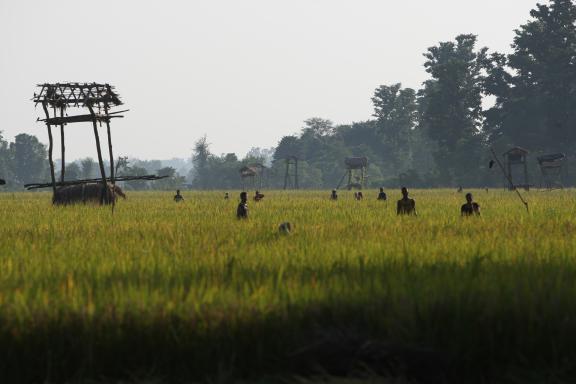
451,107
534,86
28,157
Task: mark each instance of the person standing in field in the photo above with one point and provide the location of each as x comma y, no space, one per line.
382,195
406,205
334,195
242,210
178,197
226,197
471,208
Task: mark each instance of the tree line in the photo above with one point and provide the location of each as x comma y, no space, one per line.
25,160
440,135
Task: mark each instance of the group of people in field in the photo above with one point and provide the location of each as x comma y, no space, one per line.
404,206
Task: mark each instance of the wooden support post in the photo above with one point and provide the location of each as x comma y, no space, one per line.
110,146
63,166
112,180
349,178
509,166
287,174
104,198
526,181
50,149
296,173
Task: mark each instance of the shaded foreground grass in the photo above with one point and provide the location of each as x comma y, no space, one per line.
185,292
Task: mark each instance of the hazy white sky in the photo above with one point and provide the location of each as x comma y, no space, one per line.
243,72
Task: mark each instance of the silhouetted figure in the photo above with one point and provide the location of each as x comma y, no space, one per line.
178,197
226,197
242,210
358,196
285,228
334,195
406,206
382,195
470,208
258,196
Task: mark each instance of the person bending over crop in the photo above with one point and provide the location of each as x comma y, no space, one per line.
334,195
258,196
471,208
178,197
242,210
406,206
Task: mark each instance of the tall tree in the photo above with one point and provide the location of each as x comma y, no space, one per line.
535,86
396,109
88,166
29,159
200,159
451,107
5,160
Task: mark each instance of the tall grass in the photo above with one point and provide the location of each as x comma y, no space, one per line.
187,292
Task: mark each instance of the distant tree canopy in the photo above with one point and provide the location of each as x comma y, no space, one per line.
535,86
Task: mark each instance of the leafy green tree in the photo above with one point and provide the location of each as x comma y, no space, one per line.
88,166
200,159
5,161
172,181
318,127
396,109
535,85
29,159
73,172
451,107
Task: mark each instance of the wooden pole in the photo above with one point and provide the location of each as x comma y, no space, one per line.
296,173
63,166
287,174
50,148
509,178
104,198
112,180
526,181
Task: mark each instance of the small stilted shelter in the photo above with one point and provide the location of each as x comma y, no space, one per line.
291,174
356,172
95,99
551,170
252,176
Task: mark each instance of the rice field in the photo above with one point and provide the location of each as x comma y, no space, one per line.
164,292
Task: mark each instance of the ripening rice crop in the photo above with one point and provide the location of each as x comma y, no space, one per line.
185,291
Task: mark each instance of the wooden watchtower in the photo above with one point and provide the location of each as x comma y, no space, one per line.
291,174
516,158
251,175
98,99
551,170
92,103
356,172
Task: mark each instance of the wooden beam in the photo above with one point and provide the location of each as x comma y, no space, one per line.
104,198
62,146
50,148
111,157
78,119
